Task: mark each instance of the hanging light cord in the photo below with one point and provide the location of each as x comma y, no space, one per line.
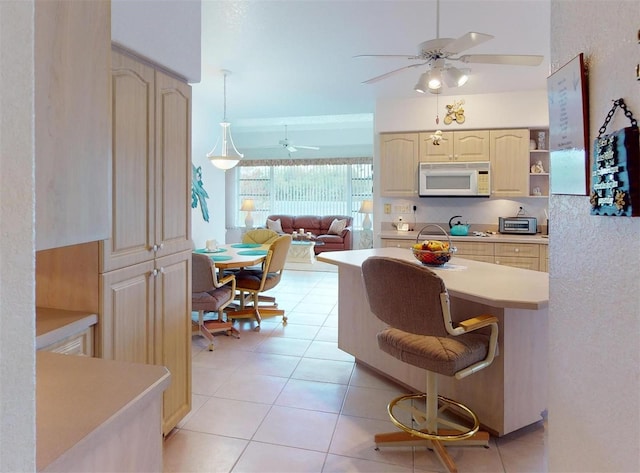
224,88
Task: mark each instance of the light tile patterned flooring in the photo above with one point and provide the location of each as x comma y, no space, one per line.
286,399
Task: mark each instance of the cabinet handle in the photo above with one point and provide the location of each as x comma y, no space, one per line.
154,273
517,250
162,269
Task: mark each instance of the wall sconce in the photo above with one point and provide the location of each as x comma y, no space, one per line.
248,206
366,208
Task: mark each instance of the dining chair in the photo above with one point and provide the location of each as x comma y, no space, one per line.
210,294
253,282
262,236
414,303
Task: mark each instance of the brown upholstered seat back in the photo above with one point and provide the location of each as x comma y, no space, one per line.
405,295
202,268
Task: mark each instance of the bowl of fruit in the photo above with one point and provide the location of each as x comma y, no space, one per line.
432,252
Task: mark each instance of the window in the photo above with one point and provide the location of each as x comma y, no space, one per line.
305,187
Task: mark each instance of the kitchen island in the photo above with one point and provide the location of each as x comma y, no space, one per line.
506,396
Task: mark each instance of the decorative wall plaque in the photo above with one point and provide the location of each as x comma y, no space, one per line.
615,189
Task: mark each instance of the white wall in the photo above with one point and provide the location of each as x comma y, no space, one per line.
166,32
594,339
17,238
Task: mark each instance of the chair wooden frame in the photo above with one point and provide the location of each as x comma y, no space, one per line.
207,328
249,299
429,426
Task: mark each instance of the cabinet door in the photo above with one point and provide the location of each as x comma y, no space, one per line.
430,152
72,127
471,146
133,197
399,165
125,329
509,163
172,165
173,333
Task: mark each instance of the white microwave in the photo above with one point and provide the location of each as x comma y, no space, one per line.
470,179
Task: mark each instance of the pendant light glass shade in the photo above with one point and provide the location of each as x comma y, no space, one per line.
227,156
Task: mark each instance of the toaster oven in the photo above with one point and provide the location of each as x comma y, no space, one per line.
518,225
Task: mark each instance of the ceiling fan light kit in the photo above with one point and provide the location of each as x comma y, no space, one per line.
434,53
229,156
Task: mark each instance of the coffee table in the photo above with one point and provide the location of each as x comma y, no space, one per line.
302,251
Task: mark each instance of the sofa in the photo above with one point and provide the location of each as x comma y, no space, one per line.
319,226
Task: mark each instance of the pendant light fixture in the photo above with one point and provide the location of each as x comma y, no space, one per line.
228,156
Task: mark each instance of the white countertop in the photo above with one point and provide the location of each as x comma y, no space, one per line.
497,238
77,396
53,325
485,283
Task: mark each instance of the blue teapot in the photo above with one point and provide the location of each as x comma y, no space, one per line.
459,229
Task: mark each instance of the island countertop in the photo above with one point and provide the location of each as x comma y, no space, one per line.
485,283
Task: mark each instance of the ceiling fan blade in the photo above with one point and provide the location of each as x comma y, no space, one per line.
404,56
504,59
465,42
292,149
308,147
387,74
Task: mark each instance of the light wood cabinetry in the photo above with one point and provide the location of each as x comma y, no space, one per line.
475,250
544,258
509,163
532,256
519,255
463,146
539,162
72,128
78,344
139,280
399,164
151,164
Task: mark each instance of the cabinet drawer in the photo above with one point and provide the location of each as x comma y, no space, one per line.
518,262
530,250
78,344
390,243
484,259
473,248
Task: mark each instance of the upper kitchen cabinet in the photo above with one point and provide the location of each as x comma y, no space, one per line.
463,146
539,162
72,122
509,163
151,123
399,164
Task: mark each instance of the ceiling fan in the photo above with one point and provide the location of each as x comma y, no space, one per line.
437,52
287,144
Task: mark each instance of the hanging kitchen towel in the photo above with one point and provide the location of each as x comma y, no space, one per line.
615,177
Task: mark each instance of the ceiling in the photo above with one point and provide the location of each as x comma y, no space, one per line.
292,61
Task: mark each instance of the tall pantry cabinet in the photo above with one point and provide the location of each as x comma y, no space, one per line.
145,266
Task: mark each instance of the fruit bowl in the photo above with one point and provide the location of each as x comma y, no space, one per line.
433,252
432,258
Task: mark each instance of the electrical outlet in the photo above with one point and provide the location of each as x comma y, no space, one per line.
387,208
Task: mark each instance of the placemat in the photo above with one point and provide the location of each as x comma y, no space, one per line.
220,257
246,245
253,252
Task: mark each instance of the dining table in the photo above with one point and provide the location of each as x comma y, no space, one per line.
236,255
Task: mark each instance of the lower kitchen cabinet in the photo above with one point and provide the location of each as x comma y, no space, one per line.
146,318
532,256
519,255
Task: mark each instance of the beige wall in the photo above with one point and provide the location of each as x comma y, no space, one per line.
594,402
17,284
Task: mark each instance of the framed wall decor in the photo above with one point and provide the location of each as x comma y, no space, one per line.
569,129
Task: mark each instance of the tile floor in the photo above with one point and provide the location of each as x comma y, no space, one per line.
286,399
